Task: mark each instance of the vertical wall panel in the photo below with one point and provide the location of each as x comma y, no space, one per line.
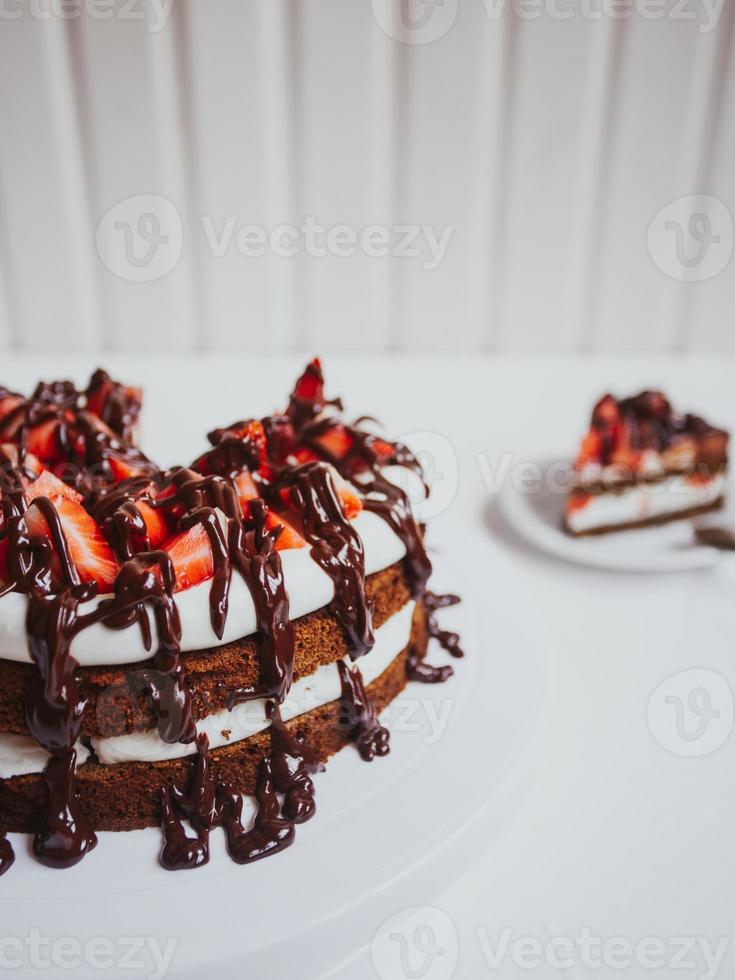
334,104
43,195
656,73
709,305
438,180
240,123
119,107
543,178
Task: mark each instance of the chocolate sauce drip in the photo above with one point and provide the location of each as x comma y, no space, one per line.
116,510
336,547
358,717
7,855
361,463
447,640
293,763
67,836
249,547
254,551
208,804
417,669
270,832
148,580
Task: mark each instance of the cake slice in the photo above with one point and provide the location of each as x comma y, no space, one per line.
641,463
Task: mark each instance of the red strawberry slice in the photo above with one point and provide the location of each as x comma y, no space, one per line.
155,523
88,547
43,441
289,537
10,452
9,403
246,487
122,469
310,386
337,441
48,485
191,554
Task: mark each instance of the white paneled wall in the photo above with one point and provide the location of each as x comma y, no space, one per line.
540,136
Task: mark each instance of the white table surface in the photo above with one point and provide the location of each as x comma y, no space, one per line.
613,833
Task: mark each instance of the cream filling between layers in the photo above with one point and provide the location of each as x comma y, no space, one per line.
227,727
644,502
21,754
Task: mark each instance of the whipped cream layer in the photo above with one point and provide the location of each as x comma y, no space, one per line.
308,586
644,502
21,754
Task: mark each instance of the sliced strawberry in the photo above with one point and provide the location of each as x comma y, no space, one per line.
43,441
11,454
91,553
289,536
382,449
310,386
122,469
88,547
155,522
8,403
351,503
48,485
246,487
336,441
590,450
577,500
191,554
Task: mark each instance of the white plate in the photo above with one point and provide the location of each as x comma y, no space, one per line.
386,835
537,516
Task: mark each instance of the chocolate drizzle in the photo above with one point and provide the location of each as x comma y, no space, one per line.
7,856
337,549
417,669
208,803
358,716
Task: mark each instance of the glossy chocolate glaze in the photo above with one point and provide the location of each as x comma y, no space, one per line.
358,716
207,804
417,669
7,855
336,547
91,431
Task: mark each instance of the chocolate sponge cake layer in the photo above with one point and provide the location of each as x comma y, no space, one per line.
127,796
116,701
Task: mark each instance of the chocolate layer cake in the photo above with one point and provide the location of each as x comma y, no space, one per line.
641,464
173,640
